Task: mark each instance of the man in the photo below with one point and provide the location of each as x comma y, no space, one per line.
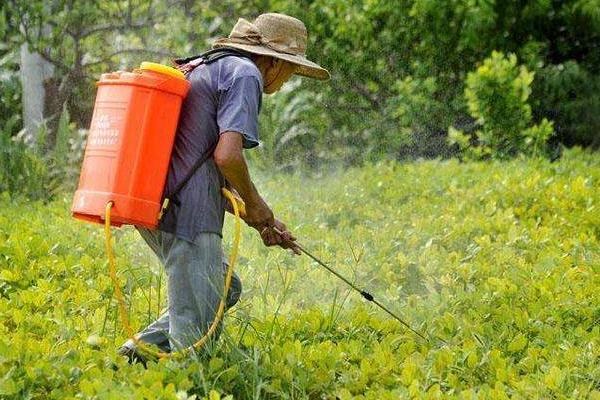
220,113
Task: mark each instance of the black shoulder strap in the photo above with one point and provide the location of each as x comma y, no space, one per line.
173,195
187,65
212,55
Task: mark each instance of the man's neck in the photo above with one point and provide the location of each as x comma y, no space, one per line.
262,63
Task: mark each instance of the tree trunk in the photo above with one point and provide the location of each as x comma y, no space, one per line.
35,71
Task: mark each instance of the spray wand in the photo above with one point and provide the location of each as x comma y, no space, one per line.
364,293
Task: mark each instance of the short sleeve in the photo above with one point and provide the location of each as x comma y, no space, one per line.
238,109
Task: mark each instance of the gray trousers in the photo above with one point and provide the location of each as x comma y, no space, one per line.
195,278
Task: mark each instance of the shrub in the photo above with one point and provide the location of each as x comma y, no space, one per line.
29,169
22,171
64,158
293,130
570,95
497,94
10,93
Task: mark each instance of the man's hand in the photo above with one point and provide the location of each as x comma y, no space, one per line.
259,215
278,235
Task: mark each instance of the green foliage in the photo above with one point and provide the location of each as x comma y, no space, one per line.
22,171
500,259
537,136
497,95
293,131
570,95
64,158
10,86
38,170
398,67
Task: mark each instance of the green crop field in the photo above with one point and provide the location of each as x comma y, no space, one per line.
499,260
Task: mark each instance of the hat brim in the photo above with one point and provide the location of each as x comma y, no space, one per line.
305,67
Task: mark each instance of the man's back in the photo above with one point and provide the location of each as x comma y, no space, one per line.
225,96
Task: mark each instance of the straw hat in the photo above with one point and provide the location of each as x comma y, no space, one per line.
275,35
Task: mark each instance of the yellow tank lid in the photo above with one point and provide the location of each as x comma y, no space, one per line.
162,69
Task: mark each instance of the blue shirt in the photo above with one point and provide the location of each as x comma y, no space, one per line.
224,96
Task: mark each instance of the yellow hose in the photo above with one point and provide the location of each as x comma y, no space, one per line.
238,208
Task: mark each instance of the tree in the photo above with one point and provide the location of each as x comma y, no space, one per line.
67,43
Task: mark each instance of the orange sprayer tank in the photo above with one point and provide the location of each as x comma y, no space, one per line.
129,145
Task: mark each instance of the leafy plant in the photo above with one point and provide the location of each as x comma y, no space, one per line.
22,171
64,158
398,67
570,95
497,94
32,170
293,130
499,259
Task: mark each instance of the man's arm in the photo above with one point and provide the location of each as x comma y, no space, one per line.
232,164
230,160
